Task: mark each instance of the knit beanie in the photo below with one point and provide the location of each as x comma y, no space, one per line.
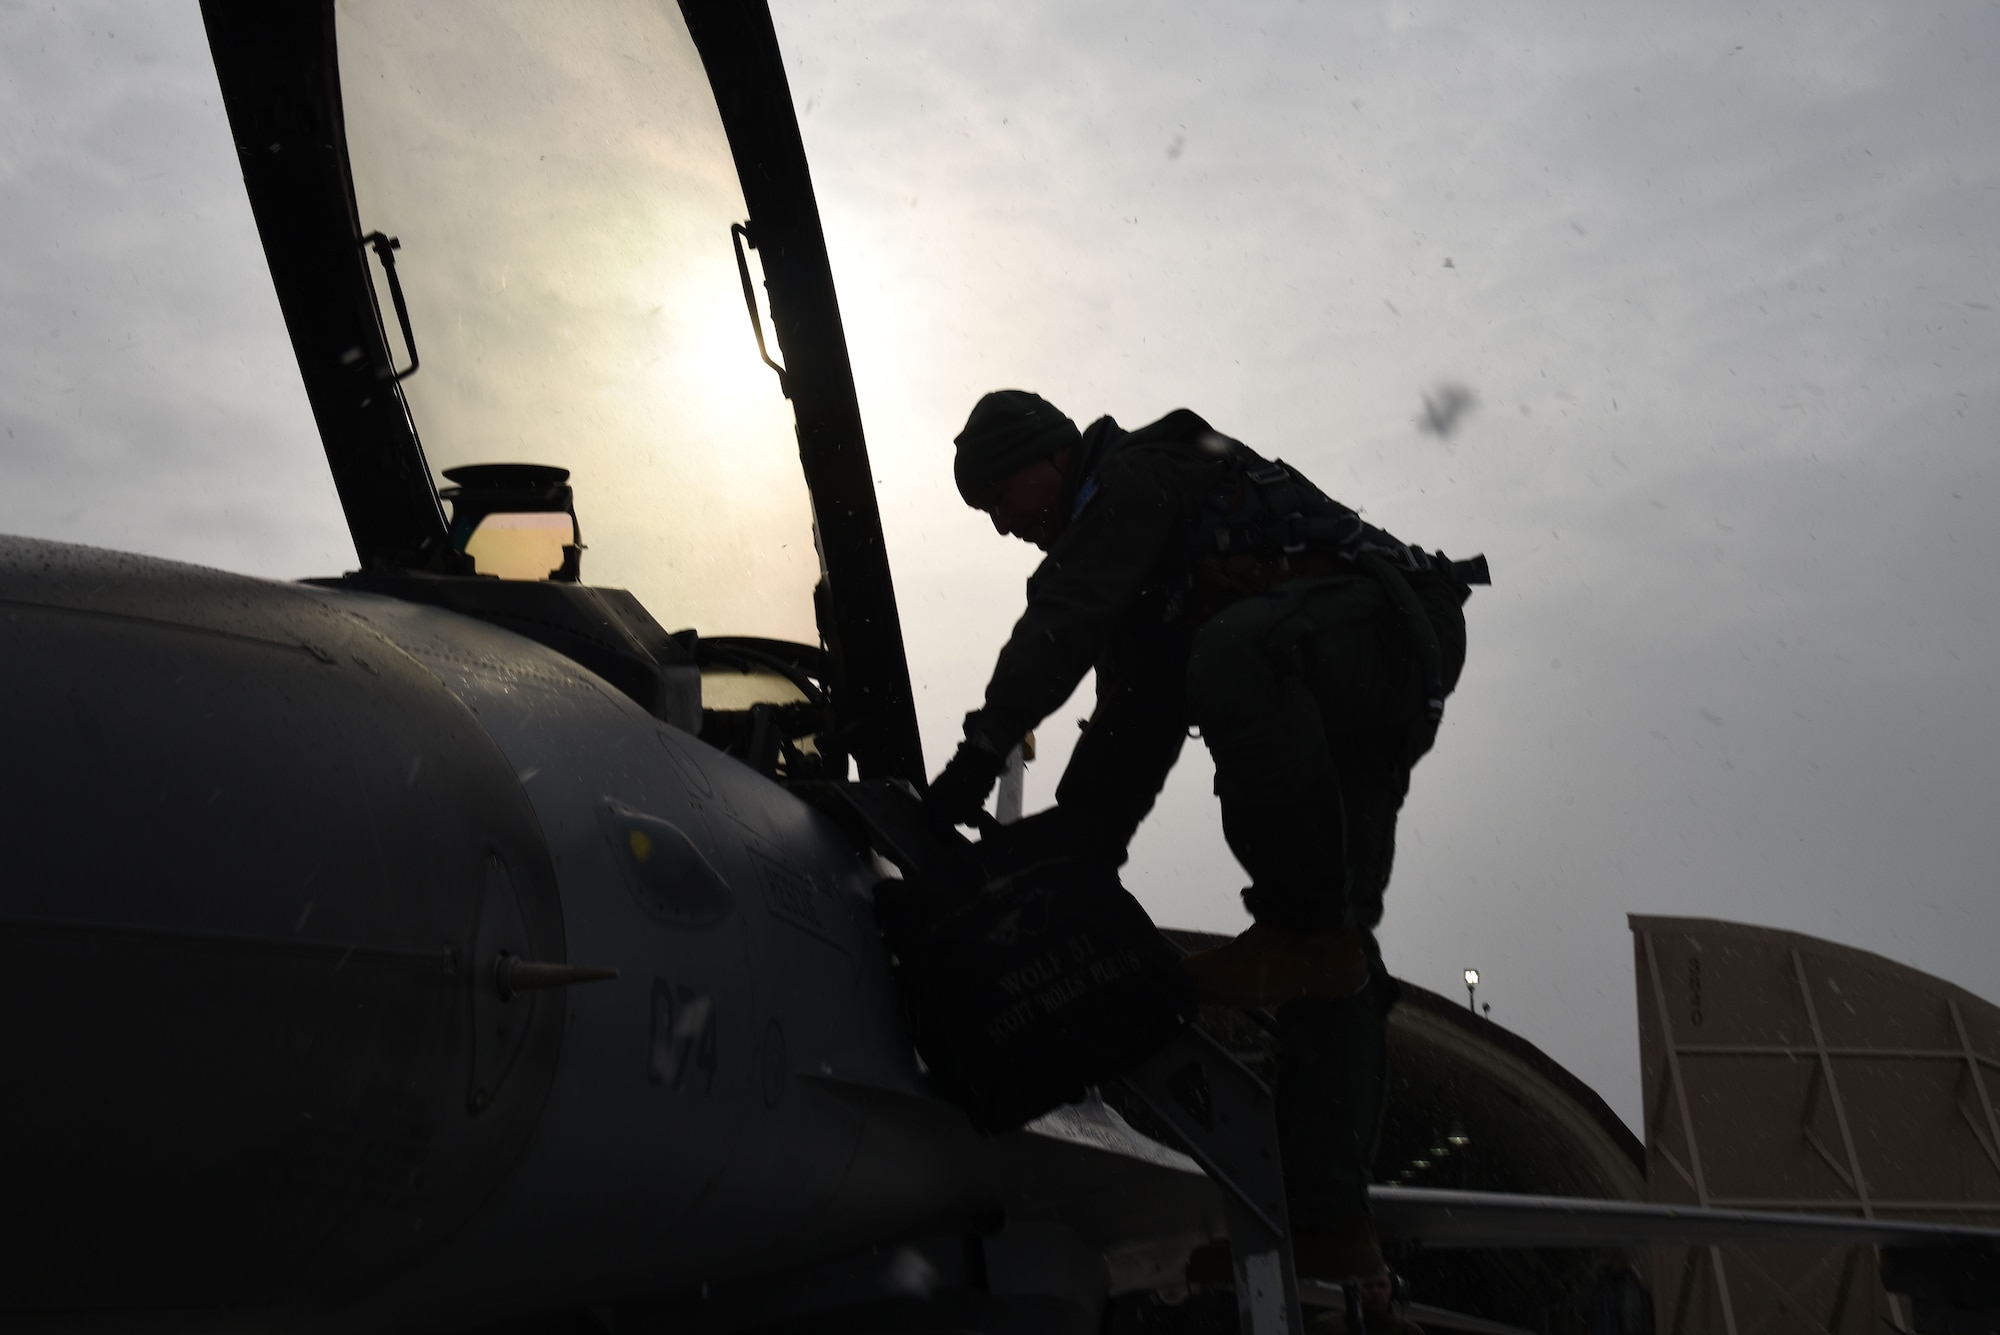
1009,429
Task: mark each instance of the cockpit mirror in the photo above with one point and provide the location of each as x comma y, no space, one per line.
516,521
522,546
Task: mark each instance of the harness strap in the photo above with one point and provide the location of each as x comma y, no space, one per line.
1291,516
1472,570
1430,656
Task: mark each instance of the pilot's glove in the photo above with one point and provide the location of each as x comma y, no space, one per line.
958,794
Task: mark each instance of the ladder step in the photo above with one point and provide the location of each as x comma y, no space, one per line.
1227,1122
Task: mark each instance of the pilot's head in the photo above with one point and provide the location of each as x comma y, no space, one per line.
1378,1290
1011,463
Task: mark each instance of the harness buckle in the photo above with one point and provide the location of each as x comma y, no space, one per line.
1291,535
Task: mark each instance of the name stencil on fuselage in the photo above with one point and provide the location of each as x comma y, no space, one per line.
794,898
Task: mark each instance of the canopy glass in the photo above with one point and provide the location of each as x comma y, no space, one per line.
559,180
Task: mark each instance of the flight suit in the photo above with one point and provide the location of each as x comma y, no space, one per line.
1307,682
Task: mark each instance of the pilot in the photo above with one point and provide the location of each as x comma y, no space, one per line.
1217,591
1381,1314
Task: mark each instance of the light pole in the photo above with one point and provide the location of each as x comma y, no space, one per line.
1471,989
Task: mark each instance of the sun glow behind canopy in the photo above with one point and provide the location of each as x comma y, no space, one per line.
562,188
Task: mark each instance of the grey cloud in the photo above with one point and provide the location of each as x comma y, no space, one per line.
152,402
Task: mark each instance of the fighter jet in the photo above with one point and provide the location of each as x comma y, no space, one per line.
447,945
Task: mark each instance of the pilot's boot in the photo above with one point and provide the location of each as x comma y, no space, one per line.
1266,967
1348,1250
1302,948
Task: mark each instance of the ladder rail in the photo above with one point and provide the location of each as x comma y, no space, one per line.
1225,1119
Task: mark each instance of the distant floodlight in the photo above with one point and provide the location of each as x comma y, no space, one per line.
1471,987
1472,978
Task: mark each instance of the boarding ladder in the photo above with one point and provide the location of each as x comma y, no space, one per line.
1226,1120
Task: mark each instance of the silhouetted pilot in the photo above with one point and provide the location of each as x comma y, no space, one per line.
1381,1314
1211,588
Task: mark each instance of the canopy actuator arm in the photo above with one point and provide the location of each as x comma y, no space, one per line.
739,236
385,248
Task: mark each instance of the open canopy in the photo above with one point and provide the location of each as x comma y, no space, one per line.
503,235
562,186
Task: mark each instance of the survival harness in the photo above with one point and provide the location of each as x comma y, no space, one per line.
1266,525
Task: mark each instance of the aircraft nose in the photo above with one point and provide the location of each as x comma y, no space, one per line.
310,839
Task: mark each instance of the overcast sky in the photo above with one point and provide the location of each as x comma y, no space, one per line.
1725,281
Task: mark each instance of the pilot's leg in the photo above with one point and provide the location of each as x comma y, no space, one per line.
1251,692
1332,1086
1312,702
1307,699
1333,1054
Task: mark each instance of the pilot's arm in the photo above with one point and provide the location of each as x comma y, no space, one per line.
1076,597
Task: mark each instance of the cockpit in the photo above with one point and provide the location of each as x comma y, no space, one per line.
529,294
